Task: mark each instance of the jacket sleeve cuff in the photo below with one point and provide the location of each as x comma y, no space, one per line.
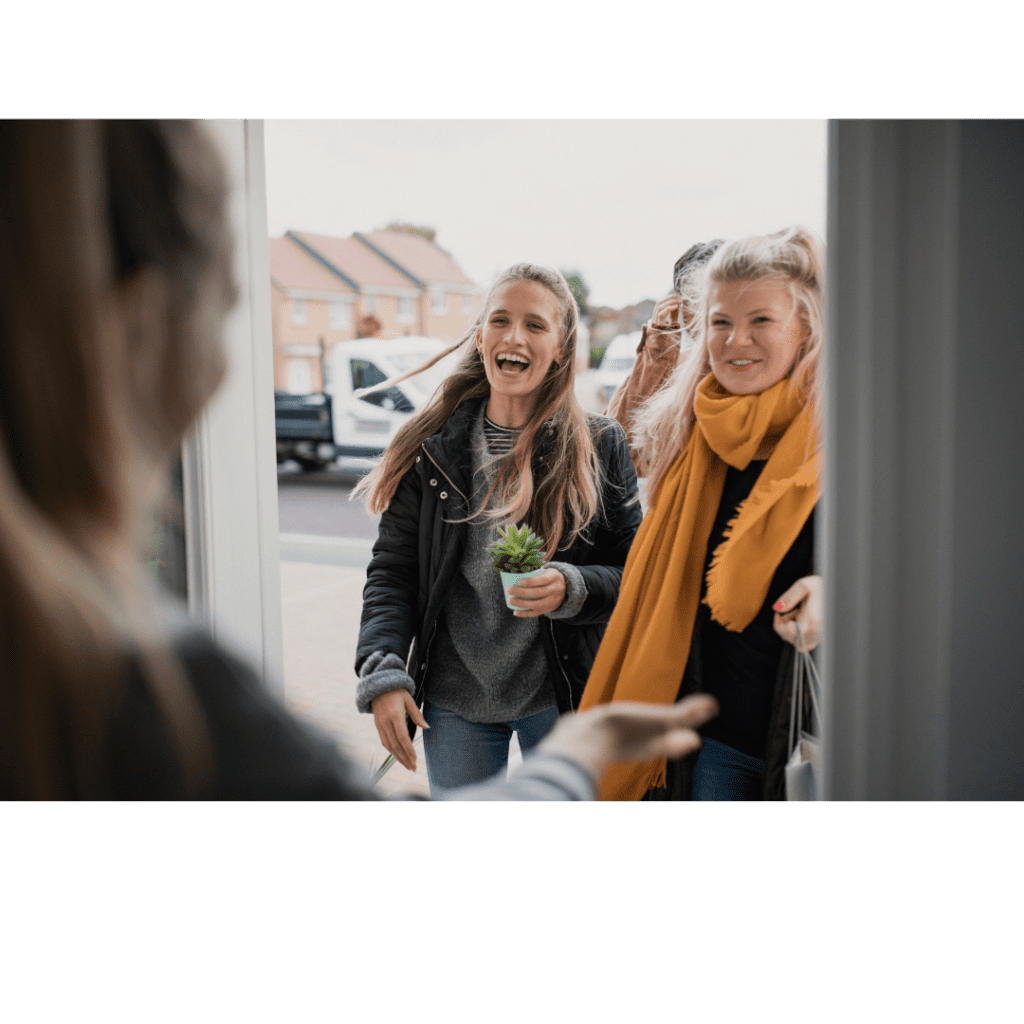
380,673
575,591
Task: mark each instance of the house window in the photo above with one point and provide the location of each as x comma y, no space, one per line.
467,303
440,301
371,303
405,310
298,311
341,316
300,376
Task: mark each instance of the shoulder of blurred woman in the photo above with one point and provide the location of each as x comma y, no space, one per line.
260,750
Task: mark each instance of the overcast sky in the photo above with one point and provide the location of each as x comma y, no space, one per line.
619,200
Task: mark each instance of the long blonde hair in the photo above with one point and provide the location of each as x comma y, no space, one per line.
663,423
114,268
562,502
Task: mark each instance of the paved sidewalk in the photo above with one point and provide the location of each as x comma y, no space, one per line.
320,609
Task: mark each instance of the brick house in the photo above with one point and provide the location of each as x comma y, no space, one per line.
311,309
323,288
449,300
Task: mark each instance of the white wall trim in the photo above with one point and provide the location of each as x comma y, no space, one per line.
411,293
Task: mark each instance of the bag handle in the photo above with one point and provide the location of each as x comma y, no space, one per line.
796,700
804,673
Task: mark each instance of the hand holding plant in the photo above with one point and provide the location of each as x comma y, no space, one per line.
537,595
518,556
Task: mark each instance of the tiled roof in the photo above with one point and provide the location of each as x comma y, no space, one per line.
423,259
356,261
292,267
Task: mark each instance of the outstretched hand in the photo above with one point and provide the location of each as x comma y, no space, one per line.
630,731
801,603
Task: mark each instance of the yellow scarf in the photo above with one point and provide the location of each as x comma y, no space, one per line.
647,642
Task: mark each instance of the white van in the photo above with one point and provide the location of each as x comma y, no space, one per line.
317,429
365,426
618,360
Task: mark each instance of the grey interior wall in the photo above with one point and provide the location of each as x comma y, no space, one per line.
986,753
922,563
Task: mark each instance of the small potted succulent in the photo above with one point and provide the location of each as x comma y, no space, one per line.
518,555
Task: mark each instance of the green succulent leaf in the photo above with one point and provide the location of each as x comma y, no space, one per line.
519,550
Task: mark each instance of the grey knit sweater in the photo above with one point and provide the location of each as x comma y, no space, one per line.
486,665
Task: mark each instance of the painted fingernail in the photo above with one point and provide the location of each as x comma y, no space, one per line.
778,606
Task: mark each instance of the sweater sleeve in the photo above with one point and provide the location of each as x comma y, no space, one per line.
575,590
381,673
540,777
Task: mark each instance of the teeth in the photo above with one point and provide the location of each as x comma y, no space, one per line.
740,362
510,358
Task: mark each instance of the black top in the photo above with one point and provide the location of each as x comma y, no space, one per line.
740,669
261,751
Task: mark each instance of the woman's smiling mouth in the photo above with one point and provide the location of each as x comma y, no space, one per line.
511,363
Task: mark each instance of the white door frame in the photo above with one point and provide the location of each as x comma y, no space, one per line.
908,613
229,460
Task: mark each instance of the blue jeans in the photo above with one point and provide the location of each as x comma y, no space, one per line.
459,753
724,773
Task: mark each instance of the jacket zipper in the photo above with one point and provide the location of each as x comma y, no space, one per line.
558,661
429,643
426,661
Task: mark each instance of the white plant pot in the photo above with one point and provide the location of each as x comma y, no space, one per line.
511,579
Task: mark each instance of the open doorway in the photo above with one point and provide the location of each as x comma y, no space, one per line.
388,231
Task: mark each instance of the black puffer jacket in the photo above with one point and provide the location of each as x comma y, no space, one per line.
419,550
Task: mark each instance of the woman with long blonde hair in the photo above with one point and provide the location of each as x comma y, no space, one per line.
115,279
721,571
504,441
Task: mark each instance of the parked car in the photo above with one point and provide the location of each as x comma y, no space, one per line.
317,429
618,360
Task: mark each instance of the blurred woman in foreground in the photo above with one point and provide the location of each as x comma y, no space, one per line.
115,278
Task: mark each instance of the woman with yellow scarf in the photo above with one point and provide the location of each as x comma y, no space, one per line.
721,569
